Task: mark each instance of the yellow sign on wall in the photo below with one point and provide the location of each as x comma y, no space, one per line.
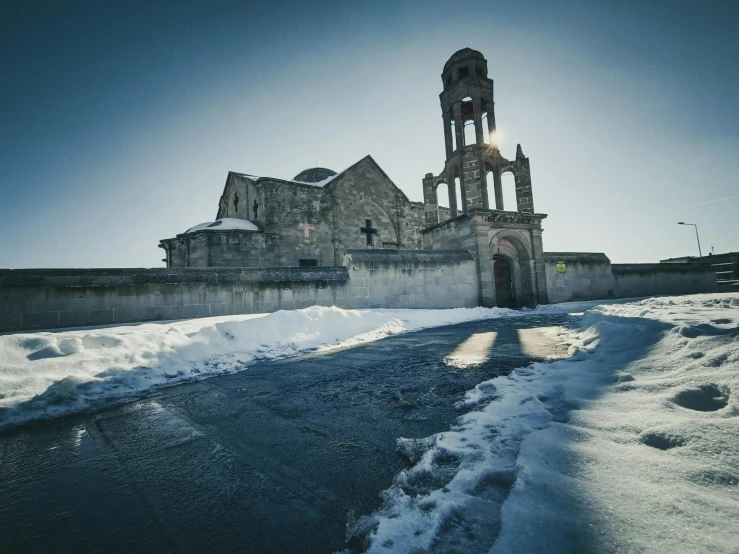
561,267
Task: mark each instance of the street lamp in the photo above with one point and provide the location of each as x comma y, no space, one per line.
700,254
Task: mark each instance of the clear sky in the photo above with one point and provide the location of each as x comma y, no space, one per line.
121,119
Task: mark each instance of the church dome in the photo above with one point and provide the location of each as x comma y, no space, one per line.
314,175
462,55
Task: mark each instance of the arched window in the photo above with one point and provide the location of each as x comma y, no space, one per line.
509,191
458,192
469,133
491,188
442,195
467,110
442,202
454,135
485,132
236,202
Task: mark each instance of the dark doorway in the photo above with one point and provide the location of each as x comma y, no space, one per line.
503,282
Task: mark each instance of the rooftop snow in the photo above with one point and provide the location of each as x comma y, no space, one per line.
225,224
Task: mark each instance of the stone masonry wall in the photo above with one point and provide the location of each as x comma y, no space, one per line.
49,298
632,280
590,276
302,222
52,298
587,276
411,279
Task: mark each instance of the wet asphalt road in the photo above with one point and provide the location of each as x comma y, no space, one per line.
271,459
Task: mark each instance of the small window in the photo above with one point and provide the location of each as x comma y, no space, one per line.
478,71
308,262
236,202
463,72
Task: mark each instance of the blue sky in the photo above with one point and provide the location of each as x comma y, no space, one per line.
120,120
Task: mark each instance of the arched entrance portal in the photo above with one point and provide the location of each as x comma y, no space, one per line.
503,282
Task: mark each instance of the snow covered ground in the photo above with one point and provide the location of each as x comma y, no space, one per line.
52,373
629,445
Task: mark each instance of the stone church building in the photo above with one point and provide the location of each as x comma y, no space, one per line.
313,219
309,221
354,240
327,219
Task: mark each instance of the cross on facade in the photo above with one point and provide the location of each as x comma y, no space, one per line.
306,227
368,230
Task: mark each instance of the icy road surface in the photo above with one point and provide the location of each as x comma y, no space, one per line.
274,458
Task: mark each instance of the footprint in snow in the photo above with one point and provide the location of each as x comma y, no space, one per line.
705,398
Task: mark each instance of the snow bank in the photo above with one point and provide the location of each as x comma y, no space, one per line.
224,224
631,444
321,183
47,374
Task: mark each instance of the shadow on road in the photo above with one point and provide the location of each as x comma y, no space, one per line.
274,458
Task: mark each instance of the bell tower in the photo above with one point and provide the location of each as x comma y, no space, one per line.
468,115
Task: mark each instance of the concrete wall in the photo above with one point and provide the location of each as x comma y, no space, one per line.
591,276
53,298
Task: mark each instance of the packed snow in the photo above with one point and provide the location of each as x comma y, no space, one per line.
321,183
225,224
629,445
47,374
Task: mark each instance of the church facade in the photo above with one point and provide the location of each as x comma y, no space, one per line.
309,221
315,218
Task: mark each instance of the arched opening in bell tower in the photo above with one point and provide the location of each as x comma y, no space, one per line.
458,194
485,132
469,133
442,195
508,183
467,111
490,186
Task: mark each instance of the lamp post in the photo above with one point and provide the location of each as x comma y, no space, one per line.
700,254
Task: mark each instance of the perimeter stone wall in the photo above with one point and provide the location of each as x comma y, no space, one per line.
411,279
49,298
591,276
587,276
53,298
631,280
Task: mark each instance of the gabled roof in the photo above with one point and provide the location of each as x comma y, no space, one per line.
326,183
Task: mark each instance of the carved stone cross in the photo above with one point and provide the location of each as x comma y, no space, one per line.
368,230
306,227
